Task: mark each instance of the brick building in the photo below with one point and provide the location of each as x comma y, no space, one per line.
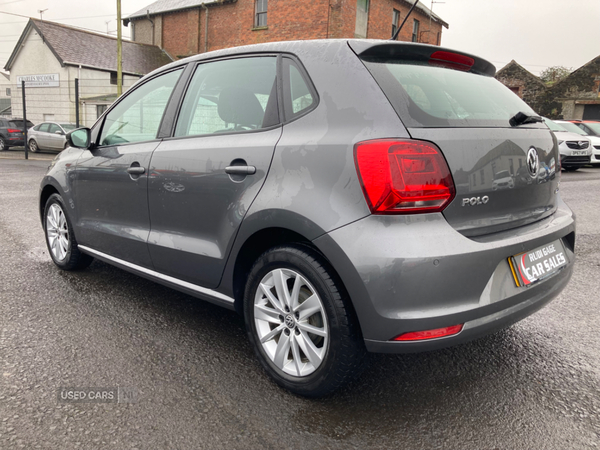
523,83
574,97
188,27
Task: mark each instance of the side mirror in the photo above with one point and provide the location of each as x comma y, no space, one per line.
79,138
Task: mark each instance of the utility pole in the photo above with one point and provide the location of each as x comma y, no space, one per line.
119,52
431,14
42,11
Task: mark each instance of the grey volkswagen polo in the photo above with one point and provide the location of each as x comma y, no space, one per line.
338,194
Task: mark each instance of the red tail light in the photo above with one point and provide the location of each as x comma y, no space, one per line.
13,130
403,177
429,334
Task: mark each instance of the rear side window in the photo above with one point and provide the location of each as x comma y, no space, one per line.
298,94
44,127
230,96
427,96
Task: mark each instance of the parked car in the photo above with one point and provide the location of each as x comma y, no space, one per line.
575,149
336,193
503,180
594,139
11,133
49,136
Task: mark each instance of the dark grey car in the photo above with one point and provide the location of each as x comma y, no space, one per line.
338,194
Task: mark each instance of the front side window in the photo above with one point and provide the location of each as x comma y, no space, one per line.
415,33
228,96
54,128
137,117
260,15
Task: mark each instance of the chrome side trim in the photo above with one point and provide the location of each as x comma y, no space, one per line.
159,276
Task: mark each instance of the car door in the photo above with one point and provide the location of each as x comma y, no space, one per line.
111,180
204,179
42,136
55,137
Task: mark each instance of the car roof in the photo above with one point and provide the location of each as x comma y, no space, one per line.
322,46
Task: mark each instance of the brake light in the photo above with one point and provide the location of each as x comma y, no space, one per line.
403,177
451,60
429,334
13,130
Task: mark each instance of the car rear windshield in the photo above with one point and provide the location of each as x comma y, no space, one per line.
426,96
19,123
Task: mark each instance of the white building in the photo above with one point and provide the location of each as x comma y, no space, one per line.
50,56
5,94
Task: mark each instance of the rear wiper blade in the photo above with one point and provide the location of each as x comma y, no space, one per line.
521,118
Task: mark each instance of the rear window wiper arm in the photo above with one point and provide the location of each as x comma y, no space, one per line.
521,118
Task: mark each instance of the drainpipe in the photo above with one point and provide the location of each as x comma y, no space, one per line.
151,23
205,27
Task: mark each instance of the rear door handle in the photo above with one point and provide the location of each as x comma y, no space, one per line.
136,170
240,170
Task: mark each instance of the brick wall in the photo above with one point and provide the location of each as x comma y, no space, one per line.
380,22
180,33
232,24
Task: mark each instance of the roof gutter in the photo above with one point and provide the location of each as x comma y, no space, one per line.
151,23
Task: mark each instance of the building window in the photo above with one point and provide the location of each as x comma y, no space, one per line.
415,34
8,92
113,78
100,110
362,19
482,176
438,38
395,20
260,17
511,167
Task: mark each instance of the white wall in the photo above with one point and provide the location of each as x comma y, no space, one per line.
36,58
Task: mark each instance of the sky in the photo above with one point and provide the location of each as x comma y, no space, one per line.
535,33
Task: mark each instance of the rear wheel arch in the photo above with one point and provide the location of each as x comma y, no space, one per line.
266,239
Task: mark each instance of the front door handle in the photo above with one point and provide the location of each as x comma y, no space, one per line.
240,170
136,170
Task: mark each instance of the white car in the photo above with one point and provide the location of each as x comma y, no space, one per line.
575,149
573,128
48,136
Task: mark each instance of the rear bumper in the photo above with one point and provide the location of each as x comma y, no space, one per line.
14,141
408,274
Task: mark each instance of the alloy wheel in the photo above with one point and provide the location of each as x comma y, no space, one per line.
57,232
291,322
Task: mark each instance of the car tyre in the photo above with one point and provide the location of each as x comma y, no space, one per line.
3,145
301,323
33,147
60,238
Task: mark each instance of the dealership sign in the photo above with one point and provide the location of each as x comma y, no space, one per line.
45,80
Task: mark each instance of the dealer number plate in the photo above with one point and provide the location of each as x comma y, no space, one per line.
539,263
579,152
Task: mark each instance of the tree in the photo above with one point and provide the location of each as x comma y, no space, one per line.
555,73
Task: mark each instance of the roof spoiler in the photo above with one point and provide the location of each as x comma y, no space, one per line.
431,54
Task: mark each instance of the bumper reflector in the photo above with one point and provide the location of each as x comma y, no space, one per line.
429,334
